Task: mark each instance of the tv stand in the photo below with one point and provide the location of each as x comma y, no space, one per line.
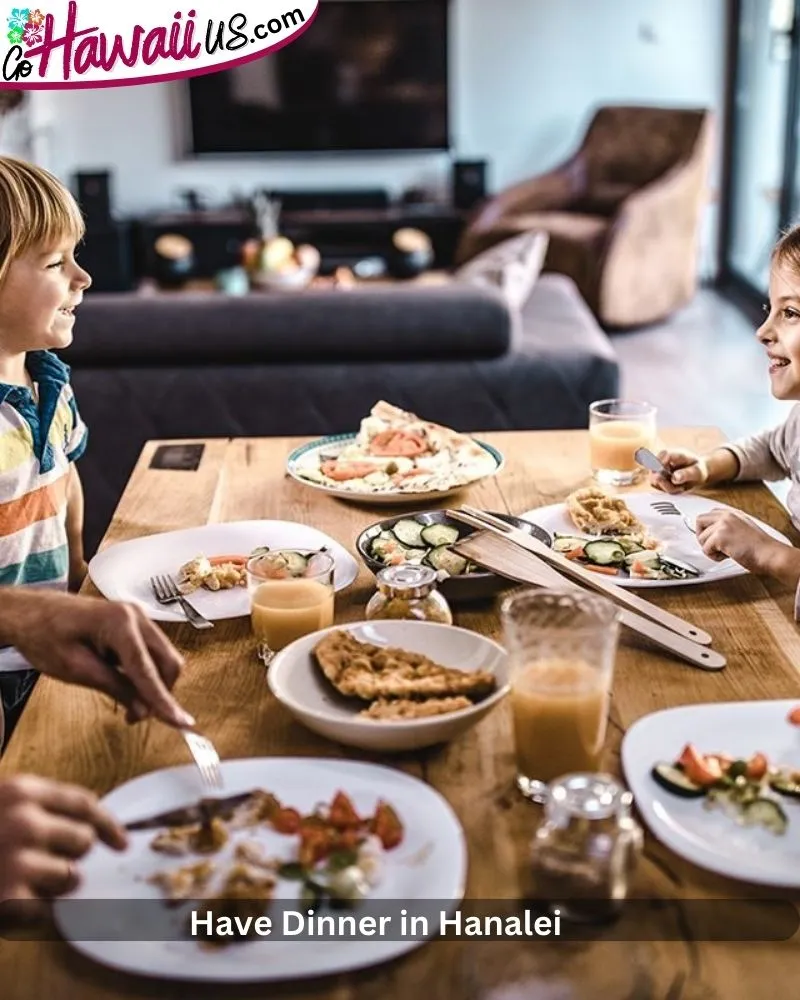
343,236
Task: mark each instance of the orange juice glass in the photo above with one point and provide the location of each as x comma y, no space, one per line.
617,427
561,647
288,599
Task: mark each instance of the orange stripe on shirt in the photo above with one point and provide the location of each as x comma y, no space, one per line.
35,506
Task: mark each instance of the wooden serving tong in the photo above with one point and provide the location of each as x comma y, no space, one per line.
499,546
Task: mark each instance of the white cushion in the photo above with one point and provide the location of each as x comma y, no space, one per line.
511,266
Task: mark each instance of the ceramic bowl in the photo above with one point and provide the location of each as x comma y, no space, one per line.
300,686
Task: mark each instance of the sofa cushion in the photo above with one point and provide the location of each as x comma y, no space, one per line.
388,322
512,267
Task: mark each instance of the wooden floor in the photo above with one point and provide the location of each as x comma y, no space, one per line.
703,366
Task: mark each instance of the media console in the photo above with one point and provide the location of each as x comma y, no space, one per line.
343,236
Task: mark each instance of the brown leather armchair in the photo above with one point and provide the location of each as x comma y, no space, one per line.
623,212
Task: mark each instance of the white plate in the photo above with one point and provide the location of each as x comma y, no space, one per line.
681,542
122,572
307,454
297,682
710,838
430,863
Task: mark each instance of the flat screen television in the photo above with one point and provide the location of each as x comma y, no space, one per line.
366,75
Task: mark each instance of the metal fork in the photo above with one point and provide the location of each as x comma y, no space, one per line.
668,509
205,756
165,591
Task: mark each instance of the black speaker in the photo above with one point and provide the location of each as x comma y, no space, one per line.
469,183
106,254
94,197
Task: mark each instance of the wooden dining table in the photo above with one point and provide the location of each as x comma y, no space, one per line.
76,735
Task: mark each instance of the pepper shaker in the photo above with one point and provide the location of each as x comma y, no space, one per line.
584,854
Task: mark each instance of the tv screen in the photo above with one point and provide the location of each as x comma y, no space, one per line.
366,75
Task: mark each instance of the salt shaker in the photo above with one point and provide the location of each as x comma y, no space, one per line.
584,853
409,591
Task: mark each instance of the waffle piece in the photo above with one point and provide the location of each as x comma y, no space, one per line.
597,513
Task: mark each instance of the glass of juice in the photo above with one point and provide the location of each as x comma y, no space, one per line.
561,646
291,594
617,427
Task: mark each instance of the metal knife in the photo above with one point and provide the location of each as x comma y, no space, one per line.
205,809
646,458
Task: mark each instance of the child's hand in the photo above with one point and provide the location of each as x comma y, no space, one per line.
725,534
688,471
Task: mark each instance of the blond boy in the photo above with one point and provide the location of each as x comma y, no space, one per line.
41,432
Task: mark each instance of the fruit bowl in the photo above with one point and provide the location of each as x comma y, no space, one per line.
282,266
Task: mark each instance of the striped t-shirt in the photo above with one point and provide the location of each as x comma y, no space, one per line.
41,433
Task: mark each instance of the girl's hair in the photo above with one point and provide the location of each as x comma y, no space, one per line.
787,250
35,210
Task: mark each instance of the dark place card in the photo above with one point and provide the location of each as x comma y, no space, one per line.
185,457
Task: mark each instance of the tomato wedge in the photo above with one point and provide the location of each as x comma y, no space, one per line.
386,826
794,716
757,767
699,769
342,813
286,820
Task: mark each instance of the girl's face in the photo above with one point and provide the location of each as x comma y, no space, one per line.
38,297
780,332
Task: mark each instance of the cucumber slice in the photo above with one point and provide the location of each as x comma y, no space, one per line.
768,813
296,563
409,533
382,546
442,558
435,535
566,543
604,553
415,556
647,557
672,779
629,545
785,786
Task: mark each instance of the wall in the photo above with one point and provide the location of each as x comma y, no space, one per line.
524,75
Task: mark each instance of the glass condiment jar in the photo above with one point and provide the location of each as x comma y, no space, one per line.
409,591
584,853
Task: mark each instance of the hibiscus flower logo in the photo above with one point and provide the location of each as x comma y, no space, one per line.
33,33
25,26
18,18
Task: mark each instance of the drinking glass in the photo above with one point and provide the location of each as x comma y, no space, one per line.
284,607
617,427
561,646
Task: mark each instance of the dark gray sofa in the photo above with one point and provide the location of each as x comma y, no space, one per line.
209,365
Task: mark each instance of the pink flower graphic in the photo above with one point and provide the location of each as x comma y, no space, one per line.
33,34
36,17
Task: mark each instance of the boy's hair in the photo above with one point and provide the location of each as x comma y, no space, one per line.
35,210
787,250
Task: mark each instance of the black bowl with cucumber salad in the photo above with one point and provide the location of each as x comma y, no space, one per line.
426,537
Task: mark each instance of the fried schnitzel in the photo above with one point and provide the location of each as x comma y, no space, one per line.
362,670
398,709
